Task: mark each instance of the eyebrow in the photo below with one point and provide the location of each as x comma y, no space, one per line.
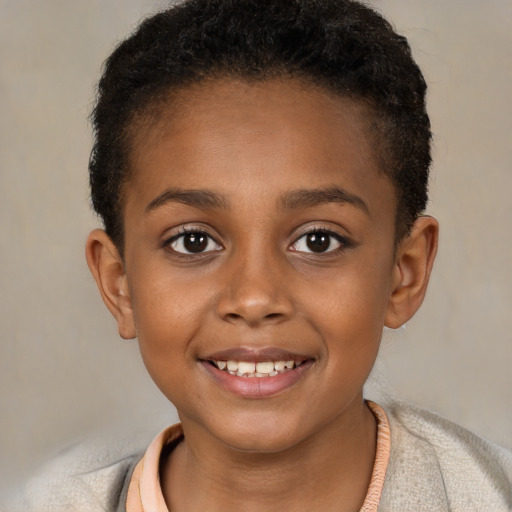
307,198
198,198
293,200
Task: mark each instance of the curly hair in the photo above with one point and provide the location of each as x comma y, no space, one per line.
340,45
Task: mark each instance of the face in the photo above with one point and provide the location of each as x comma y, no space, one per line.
259,259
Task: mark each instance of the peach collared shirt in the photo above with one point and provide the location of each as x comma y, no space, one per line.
145,492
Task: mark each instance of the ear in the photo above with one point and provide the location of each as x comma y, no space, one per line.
414,260
107,267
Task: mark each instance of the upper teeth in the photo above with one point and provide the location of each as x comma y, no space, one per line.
255,369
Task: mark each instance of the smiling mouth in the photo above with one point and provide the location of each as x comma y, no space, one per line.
257,369
256,373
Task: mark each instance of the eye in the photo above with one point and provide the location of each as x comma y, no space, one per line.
193,242
318,242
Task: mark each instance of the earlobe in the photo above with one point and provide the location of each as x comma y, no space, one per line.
411,273
107,268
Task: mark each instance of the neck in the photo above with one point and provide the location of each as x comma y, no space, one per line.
329,470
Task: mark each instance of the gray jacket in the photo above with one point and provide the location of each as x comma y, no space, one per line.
435,466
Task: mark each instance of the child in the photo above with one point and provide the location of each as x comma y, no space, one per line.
261,170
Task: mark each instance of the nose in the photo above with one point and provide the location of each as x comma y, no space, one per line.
255,292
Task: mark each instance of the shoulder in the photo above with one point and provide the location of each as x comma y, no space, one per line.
88,477
438,465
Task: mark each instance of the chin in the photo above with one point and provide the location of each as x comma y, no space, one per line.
262,444
260,435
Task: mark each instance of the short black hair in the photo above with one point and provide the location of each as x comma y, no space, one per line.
340,45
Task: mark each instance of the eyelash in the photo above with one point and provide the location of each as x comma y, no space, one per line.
344,243
183,232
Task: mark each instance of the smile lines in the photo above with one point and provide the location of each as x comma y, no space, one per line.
256,369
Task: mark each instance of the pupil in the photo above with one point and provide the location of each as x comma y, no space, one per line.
318,242
195,242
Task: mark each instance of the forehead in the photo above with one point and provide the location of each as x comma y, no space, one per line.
280,132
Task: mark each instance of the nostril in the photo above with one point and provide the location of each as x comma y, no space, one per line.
233,316
253,319
272,316
252,305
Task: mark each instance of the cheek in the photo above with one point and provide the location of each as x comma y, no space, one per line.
352,298
348,310
170,309
163,318
166,298
164,330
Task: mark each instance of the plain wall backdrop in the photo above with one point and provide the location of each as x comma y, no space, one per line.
64,372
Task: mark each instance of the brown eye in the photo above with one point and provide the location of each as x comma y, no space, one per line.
317,242
194,242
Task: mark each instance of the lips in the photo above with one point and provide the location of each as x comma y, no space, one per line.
256,373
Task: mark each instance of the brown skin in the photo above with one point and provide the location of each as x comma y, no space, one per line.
312,446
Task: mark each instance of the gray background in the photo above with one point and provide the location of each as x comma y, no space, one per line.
64,374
